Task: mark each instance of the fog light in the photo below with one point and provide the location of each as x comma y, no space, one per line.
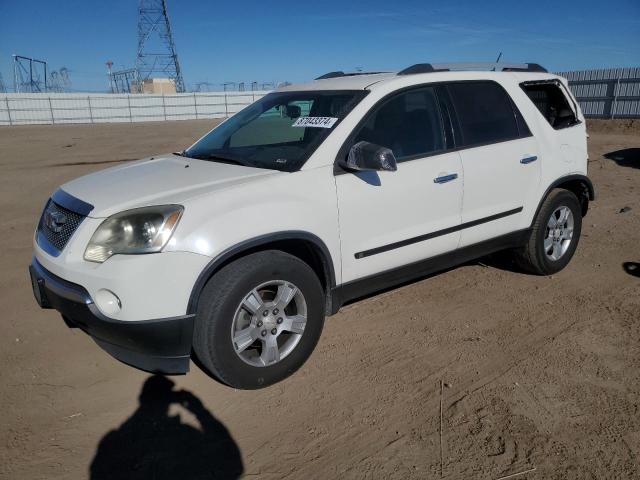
108,302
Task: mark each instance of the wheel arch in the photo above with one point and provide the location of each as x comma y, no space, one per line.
304,245
580,185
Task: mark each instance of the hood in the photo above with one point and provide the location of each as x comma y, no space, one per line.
156,181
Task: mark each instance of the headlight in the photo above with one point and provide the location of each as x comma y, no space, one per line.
141,230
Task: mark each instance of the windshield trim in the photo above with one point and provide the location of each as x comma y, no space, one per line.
358,96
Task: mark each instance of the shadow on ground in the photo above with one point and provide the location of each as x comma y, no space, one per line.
627,157
153,444
632,268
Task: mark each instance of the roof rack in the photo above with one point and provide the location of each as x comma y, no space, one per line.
448,67
343,74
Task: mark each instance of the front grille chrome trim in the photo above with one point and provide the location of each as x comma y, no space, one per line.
53,237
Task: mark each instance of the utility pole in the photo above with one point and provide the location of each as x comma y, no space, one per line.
109,64
156,50
27,74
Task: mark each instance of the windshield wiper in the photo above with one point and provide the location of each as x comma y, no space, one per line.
221,158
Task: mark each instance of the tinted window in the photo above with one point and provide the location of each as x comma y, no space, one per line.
267,134
409,124
485,112
552,103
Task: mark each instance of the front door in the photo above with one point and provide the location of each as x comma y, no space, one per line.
391,219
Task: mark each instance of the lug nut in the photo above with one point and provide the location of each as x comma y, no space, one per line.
275,311
279,320
263,333
274,331
259,323
265,313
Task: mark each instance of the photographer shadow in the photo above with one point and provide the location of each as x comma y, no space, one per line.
153,444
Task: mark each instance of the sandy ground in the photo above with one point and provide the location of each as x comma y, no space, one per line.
539,372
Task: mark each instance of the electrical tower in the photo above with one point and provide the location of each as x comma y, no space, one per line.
125,81
29,75
59,80
156,50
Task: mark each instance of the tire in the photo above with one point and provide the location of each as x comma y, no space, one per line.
536,256
237,299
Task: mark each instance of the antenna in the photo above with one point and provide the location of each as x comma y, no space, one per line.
156,49
497,61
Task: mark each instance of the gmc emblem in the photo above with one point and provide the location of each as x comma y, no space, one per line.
54,220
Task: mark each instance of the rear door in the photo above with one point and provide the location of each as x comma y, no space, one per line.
500,159
390,219
555,103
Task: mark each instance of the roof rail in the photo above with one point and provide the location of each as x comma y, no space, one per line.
331,75
343,74
447,67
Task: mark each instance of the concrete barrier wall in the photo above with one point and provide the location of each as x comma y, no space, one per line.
55,108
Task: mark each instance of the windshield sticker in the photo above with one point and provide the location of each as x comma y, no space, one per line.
316,122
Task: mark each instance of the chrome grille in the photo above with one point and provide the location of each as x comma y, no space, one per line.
58,235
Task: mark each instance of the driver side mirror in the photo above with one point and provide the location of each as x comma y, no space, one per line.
365,156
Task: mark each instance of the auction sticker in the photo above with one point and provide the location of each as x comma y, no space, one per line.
316,122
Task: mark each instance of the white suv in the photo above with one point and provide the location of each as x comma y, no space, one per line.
234,250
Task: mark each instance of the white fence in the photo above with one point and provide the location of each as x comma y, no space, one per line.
55,108
608,93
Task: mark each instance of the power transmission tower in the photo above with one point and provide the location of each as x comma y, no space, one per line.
125,81
156,50
59,80
28,74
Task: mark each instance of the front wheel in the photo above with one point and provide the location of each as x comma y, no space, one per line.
258,319
555,234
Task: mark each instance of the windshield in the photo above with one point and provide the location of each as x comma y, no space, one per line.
280,131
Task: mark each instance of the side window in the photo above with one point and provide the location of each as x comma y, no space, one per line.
552,103
409,124
485,113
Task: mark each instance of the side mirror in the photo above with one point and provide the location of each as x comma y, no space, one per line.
292,111
369,156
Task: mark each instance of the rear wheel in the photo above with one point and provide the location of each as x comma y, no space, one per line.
555,234
258,319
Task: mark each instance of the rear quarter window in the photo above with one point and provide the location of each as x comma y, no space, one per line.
552,103
486,113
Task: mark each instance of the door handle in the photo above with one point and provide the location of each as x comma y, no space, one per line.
445,178
530,159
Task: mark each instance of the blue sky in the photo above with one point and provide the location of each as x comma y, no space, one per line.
273,41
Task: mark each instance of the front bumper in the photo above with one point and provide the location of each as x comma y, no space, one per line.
159,346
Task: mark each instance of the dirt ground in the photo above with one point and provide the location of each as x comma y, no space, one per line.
536,372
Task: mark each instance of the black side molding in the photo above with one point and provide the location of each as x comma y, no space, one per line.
439,233
397,276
